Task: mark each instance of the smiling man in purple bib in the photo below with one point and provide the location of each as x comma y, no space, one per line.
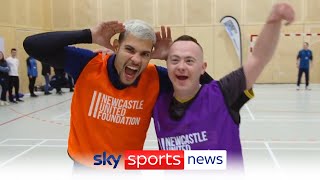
201,117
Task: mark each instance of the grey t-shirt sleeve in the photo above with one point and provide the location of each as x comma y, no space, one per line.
233,85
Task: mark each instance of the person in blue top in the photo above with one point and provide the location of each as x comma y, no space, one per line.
32,74
303,64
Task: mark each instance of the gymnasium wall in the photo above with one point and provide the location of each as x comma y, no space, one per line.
199,18
19,19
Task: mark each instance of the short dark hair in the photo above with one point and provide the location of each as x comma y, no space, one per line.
306,43
13,49
188,38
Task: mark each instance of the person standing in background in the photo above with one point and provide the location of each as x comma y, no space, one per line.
46,72
70,82
13,63
32,74
303,64
4,79
59,80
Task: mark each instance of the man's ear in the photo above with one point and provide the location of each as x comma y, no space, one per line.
204,67
116,45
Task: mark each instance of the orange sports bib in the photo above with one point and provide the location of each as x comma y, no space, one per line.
105,119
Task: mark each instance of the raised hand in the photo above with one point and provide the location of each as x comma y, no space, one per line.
267,42
163,44
282,11
103,32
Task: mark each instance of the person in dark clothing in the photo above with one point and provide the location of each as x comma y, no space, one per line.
46,72
32,74
304,59
61,79
70,82
4,79
58,80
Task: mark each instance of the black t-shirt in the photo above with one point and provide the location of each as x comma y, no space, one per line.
46,69
3,63
233,87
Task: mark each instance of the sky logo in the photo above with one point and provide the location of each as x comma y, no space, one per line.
103,159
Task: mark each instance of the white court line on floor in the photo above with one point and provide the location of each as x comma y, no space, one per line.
272,155
4,141
251,115
24,152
